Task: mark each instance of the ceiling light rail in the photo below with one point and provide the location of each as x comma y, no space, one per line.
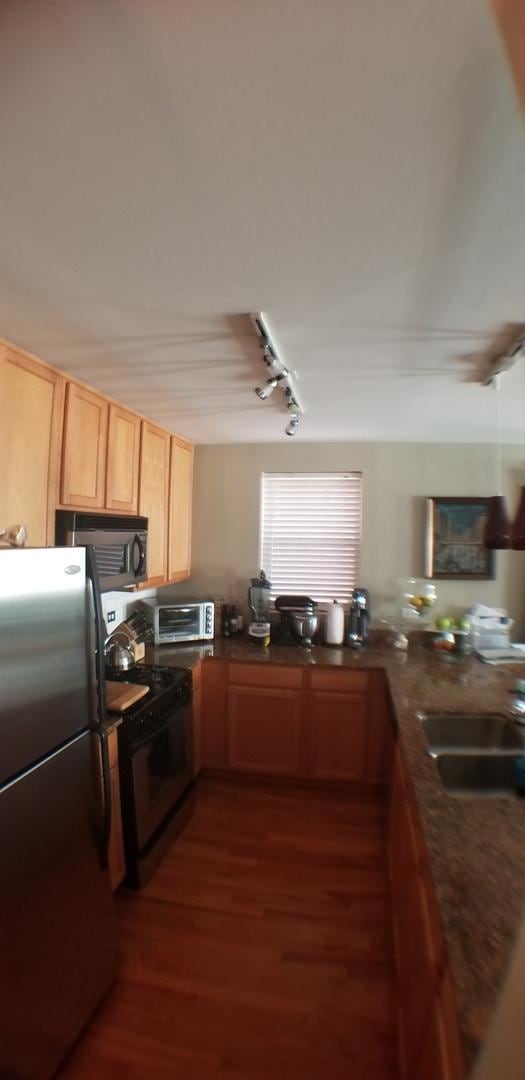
506,360
279,376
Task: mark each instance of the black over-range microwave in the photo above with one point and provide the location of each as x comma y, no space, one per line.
120,544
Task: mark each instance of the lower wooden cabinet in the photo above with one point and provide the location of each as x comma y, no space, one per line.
428,1030
337,735
116,857
197,735
264,730
214,715
287,720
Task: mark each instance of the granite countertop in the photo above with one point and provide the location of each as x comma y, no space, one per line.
476,846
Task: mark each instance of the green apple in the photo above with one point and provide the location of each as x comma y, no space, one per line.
443,622
463,623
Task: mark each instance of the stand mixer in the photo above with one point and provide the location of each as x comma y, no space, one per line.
298,621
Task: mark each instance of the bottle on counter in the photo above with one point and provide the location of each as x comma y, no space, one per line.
234,620
335,624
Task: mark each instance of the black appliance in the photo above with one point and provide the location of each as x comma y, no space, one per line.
282,630
120,544
359,619
58,938
156,766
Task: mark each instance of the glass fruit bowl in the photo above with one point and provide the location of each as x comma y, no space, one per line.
417,598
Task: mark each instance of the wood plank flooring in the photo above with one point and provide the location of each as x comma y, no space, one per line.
260,949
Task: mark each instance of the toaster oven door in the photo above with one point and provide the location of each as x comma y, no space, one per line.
179,622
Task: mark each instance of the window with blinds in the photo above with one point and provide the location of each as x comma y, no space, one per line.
310,539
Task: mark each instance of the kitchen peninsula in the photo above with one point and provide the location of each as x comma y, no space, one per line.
474,846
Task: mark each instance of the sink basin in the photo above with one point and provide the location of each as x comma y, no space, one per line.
464,732
477,775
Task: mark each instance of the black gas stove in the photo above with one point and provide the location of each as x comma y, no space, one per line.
167,686
156,765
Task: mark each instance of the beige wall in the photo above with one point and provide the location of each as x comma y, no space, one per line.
396,476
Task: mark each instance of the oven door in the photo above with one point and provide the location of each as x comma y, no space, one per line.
161,764
181,622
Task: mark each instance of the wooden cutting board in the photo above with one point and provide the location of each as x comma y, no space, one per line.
121,695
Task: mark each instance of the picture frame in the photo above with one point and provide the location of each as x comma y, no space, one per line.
454,548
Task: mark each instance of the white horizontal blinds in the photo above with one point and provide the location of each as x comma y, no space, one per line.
311,533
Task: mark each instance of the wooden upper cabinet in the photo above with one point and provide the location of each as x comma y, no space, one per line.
181,489
84,450
153,496
31,411
122,477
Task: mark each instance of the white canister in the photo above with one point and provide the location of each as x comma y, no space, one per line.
335,624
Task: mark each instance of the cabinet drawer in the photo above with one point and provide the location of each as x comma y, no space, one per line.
266,675
334,679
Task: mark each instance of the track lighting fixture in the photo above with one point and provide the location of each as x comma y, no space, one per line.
279,374
264,391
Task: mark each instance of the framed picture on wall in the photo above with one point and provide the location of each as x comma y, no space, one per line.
454,539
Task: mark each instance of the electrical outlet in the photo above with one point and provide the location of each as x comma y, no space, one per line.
110,617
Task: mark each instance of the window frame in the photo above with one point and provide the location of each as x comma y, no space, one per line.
354,571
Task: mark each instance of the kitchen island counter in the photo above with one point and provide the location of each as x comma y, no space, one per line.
475,845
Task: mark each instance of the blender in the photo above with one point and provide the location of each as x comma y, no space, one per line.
259,601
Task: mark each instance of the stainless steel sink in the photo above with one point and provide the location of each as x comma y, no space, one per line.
478,775
464,732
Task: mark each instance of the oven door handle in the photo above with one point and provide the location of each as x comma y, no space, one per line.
155,733
150,737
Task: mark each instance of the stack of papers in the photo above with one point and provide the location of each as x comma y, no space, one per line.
513,654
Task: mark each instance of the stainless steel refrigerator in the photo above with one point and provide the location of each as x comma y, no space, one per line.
57,931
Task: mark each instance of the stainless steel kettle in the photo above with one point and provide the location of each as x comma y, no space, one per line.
119,655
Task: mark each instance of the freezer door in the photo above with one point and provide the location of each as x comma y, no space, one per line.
57,932
44,653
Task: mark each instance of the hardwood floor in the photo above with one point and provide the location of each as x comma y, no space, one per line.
260,949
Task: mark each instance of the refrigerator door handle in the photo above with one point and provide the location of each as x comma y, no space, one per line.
106,795
98,674
93,695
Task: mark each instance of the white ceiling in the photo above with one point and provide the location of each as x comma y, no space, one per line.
354,170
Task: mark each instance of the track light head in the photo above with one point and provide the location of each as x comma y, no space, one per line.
264,391
292,425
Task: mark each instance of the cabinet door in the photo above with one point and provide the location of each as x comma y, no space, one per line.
197,713
31,411
122,476
418,965
181,487
264,730
153,497
380,735
84,451
116,858
338,730
214,714
440,1055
